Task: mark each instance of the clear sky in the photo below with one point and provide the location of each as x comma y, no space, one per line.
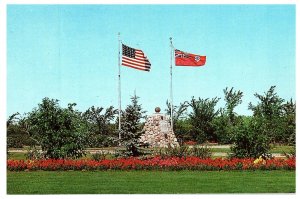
70,53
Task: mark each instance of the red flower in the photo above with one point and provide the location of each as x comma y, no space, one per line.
171,163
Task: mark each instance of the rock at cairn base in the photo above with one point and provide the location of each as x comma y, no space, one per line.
158,132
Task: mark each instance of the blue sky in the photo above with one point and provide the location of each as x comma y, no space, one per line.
70,53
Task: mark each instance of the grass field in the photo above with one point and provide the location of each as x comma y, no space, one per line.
150,182
276,149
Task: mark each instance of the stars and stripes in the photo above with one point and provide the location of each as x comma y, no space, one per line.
135,58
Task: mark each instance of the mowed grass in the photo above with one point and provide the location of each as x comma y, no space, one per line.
274,149
150,182
281,149
17,156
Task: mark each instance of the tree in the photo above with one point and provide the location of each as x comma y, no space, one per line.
12,131
178,111
289,112
222,127
61,132
269,123
270,105
131,126
12,119
100,128
250,139
228,118
184,130
232,99
270,111
201,117
16,135
179,125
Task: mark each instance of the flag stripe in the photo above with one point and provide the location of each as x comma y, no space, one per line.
124,61
136,67
135,58
136,61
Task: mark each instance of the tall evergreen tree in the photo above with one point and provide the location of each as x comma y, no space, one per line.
132,127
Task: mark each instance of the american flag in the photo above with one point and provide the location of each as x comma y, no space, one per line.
134,58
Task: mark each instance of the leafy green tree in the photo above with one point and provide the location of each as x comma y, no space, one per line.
228,118
223,129
61,132
201,117
12,119
270,123
101,131
179,123
289,111
12,132
184,130
178,111
270,105
132,127
270,111
16,135
250,139
232,99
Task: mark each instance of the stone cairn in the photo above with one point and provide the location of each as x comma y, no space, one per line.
158,132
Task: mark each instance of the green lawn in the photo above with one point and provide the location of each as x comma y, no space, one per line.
17,156
274,149
281,149
150,182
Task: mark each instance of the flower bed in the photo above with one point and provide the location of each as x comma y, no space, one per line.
156,163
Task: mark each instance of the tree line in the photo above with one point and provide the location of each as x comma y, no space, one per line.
66,132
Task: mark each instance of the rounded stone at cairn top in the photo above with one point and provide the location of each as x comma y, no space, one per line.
157,110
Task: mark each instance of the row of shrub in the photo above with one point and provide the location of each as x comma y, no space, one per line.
155,163
67,132
181,151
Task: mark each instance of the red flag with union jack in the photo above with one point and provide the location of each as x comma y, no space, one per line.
188,59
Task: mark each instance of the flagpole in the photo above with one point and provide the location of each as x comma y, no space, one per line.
171,85
119,89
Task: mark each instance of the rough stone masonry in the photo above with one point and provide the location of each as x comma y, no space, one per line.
158,132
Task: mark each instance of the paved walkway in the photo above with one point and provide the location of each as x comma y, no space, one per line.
219,146
215,154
